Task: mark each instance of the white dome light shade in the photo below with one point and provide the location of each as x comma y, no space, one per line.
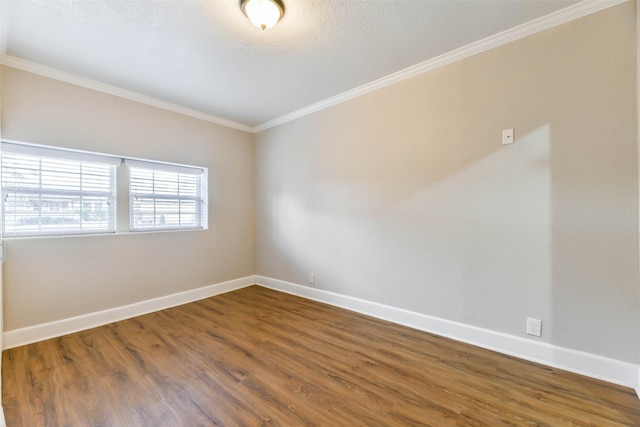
263,14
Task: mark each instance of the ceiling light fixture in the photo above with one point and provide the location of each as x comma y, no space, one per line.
263,14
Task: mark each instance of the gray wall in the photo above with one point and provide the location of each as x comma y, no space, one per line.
405,196
47,279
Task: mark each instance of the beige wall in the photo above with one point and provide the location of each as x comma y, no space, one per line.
48,279
405,196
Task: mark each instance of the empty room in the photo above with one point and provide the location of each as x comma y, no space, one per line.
319,213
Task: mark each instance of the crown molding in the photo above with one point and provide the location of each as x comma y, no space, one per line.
32,67
578,10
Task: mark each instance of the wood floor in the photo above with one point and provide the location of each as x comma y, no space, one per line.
256,357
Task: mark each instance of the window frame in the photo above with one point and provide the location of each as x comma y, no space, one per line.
46,154
199,199
121,222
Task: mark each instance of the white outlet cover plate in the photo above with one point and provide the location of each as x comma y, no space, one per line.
507,137
534,326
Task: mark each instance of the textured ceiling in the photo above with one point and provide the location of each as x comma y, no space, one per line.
205,54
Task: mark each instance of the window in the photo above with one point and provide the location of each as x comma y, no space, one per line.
48,191
163,196
52,191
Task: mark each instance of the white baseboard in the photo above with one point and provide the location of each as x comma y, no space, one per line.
31,334
3,423
599,367
591,365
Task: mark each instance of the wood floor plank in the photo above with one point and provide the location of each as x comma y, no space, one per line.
257,357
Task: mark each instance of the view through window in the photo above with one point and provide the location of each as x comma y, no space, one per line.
50,191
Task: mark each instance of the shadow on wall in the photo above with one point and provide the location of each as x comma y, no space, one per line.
521,232
595,295
473,247
406,197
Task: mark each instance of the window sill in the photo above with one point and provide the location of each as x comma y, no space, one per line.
117,233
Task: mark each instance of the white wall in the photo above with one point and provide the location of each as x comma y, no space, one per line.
405,196
49,279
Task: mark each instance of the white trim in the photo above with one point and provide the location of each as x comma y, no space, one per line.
3,423
115,158
31,334
159,166
591,365
599,367
578,10
32,67
57,153
543,23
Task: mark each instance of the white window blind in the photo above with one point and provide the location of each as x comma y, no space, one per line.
48,191
165,196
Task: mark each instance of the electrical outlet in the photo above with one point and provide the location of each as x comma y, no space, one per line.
534,326
312,279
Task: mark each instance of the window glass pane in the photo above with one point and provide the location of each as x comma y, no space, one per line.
167,199
47,196
51,191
